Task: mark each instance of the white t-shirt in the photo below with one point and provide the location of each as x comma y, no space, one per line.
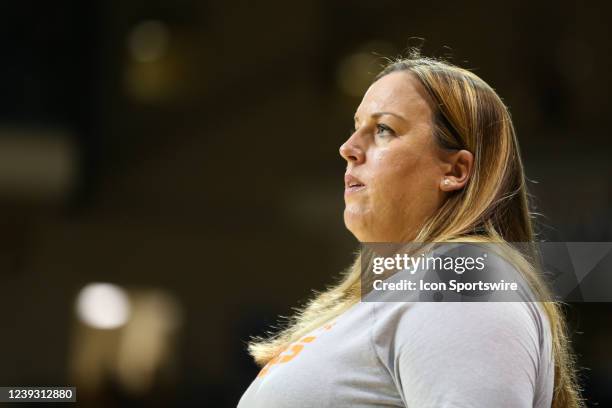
416,355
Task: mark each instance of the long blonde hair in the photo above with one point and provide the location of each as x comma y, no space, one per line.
493,207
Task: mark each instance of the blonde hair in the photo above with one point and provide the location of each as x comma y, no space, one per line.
492,207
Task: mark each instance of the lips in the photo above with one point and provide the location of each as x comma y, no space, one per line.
352,184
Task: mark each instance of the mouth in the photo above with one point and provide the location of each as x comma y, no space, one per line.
353,189
352,184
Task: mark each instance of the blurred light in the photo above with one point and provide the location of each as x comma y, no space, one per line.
103,305
353,77
153,73
37,163
154,82
356,72
148,342
148,41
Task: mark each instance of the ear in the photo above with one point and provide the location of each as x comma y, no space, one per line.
457,169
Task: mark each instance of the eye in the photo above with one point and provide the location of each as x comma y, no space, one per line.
382,129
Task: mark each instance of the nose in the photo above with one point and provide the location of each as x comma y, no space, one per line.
351,152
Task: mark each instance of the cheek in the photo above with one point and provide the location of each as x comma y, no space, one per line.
394,172
403,177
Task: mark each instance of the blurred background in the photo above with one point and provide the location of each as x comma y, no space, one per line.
170,180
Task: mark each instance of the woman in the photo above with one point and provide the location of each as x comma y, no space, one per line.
433,158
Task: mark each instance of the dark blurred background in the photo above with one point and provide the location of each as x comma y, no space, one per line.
170,179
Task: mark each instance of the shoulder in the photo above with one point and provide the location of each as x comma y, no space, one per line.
412,322
479,354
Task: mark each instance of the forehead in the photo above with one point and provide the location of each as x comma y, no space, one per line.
398,92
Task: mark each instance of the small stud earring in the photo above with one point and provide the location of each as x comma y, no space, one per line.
447,182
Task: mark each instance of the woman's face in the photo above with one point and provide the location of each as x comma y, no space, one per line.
395,170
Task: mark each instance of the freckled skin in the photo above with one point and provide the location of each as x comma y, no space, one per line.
402,170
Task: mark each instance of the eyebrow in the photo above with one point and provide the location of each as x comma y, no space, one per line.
379,114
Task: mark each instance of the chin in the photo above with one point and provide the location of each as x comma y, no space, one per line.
354,222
